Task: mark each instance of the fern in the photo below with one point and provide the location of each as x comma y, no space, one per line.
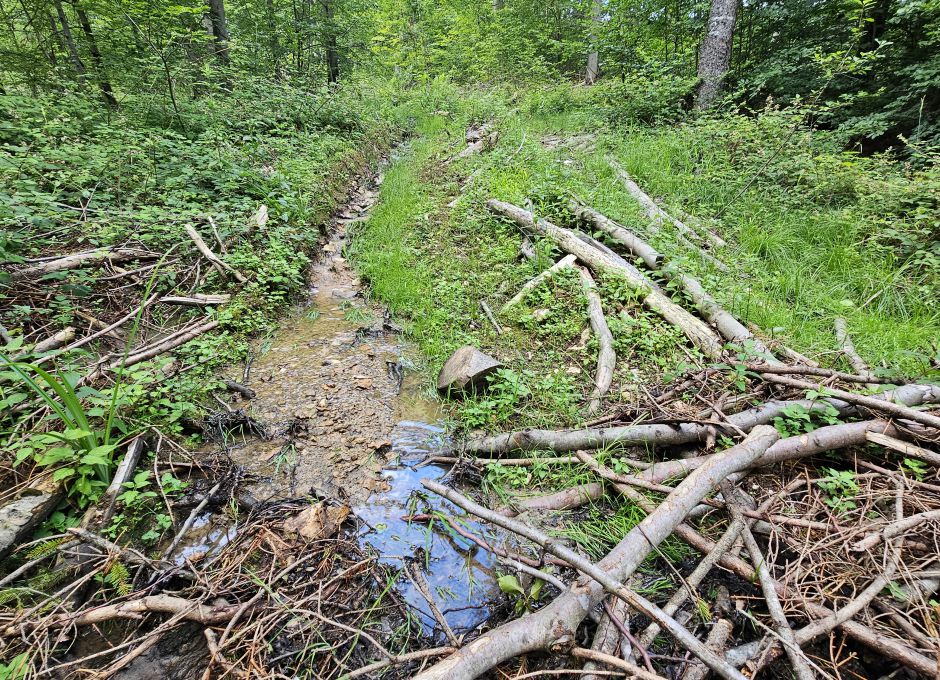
44,549
119,578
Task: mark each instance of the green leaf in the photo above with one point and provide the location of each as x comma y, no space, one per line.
63,473
509,584
56,455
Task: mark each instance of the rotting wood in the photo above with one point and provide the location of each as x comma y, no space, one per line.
695,330
608,639
848,349
679,433
77,260
556,623
216,261
606,356
728,326
533,283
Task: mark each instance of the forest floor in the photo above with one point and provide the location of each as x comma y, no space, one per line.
293,532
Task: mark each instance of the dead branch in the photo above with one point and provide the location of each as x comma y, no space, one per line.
822,372
606,356
78,260
600,657
718,636
399,660
848,348
196,300
659,217
797,660
491,317
556,623
164,604
681,433
876,403
172,342
729,327
909,450
698,333
216,261
895,529
533,283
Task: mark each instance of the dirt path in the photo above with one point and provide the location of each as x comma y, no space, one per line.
346,421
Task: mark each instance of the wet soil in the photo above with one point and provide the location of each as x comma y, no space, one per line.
346,419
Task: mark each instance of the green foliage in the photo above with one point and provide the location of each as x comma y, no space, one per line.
17,668
841,488
797,419
511,586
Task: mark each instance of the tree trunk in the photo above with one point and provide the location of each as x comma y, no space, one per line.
69,41
593,64
715,53
103,83
273,39
219,30
332,52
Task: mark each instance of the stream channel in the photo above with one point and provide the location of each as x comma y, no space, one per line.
347,422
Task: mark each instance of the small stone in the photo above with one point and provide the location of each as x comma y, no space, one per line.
365,384
466,368
573,370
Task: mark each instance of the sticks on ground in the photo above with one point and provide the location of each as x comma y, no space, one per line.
606,357
848,348
557,623
532,284
729,327
216,261
601,262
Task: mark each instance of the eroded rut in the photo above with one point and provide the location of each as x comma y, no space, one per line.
346,423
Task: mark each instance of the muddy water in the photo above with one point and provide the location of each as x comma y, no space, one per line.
346,420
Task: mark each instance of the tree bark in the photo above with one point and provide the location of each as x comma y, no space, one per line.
593,64
332,50
714,55
107,92
219,30
274,41
69,41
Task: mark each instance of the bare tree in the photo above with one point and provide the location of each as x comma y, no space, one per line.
715,52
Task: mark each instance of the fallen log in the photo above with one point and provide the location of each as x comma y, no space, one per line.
606,356
659,217
533,283
607,638
207,615
909,450
196,300
65,336
848,349
555,625
77,260
729,327
216,261
695,330
677,434
875,402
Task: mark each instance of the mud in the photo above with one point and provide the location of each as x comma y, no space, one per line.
346,418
